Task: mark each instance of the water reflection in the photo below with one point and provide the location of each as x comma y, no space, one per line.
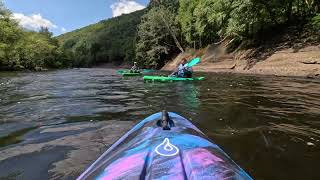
268,125
188,94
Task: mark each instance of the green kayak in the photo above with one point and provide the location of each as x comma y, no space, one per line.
164,78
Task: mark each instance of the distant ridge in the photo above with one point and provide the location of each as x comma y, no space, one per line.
111,40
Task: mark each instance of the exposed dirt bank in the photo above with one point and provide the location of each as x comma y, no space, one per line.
292,52
285,62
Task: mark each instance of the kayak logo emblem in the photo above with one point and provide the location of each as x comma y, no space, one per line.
166,148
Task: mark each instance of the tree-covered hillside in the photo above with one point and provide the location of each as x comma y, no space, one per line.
155,34
207,21
198,23
22,49
111,40
158,34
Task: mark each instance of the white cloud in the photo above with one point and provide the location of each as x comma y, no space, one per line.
63,30
34,21
125,7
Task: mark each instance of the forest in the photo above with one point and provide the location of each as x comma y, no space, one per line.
155,34
111,40
22,49
198,23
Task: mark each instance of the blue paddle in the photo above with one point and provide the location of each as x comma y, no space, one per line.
193,62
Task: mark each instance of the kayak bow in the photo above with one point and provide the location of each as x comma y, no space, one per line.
164,146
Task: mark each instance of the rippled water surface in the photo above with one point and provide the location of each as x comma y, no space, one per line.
60,121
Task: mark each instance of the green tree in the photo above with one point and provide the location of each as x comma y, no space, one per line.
111,40
10,33
24,49
316,22
187,20
155,41
45,31
205,21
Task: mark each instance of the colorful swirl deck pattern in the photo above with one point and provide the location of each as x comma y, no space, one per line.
149,152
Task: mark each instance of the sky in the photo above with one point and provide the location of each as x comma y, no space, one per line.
62,16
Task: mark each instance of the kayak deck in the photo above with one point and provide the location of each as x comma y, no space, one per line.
157,149
163,78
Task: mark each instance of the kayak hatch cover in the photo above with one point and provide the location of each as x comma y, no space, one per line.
164,146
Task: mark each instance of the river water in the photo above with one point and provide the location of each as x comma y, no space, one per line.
54,124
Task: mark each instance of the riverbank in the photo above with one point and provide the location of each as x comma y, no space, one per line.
303,62
293,52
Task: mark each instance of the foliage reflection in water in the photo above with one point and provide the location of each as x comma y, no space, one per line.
268,125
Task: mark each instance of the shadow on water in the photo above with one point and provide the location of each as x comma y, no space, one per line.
14,137
269,125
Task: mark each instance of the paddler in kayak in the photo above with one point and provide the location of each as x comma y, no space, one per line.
183,71
135,68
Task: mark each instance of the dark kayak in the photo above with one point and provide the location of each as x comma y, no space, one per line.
164,146
125,72
129,73
170,79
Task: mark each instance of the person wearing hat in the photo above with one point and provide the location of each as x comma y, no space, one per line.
135,68
182,71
